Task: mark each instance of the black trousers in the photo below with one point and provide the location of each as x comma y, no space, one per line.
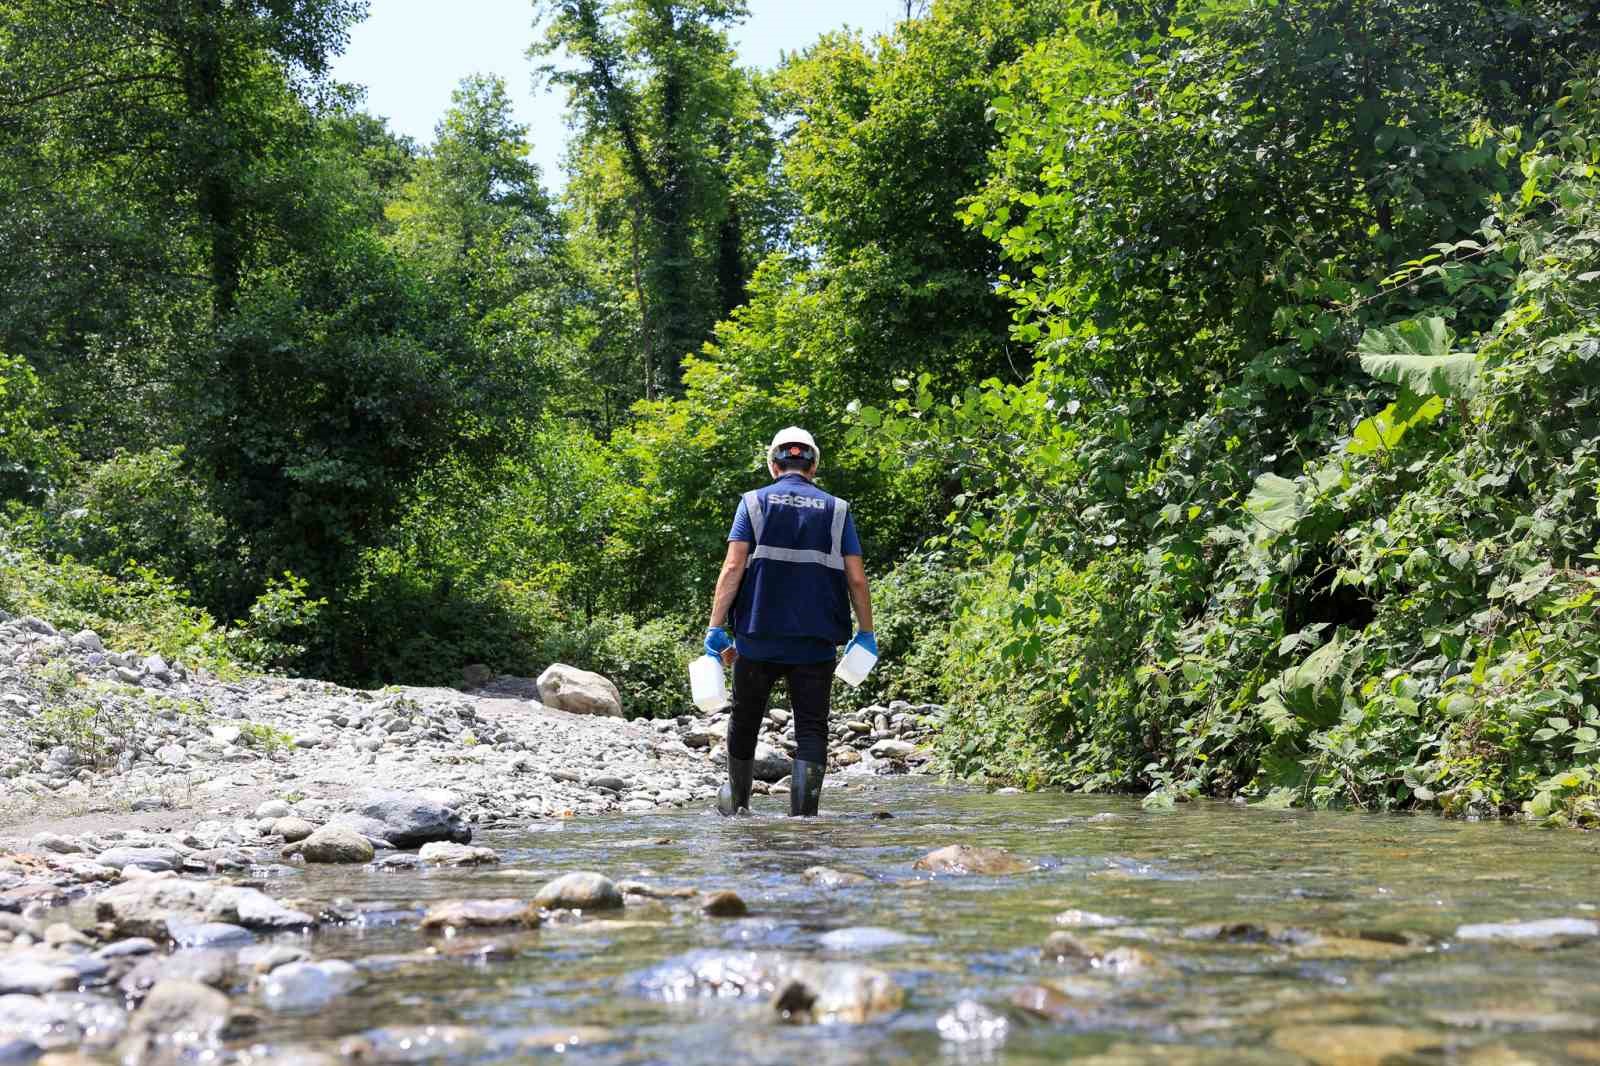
810,688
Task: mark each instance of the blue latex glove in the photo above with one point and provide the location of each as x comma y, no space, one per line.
864,639
717,641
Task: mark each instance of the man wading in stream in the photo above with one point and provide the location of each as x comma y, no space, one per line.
792,573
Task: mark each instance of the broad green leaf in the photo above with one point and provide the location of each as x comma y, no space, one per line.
1274,505
1416,355
1384,430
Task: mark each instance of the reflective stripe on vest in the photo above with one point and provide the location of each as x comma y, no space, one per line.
833,560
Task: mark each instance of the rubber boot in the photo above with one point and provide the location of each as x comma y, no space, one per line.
735,795
805,788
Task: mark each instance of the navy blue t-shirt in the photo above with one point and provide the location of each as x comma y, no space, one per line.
791,649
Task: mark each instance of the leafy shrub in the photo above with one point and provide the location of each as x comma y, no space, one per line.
32,455
913,608
143,509
138,609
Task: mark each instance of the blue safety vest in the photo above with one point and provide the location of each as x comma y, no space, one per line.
794,584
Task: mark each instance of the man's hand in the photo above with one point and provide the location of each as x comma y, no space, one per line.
720,644
863,639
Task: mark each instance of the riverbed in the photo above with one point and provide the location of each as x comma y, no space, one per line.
1210,933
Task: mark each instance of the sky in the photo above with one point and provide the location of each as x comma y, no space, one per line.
410,55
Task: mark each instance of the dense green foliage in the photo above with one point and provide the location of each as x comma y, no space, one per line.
1214,381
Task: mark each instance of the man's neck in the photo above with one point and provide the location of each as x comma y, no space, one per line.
794,473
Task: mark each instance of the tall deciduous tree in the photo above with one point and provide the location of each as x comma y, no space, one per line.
675,150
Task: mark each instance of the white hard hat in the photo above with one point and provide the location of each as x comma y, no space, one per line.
792,435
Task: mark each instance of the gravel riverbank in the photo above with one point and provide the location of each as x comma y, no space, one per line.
96,740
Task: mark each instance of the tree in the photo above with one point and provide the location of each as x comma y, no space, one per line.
674,151
150,149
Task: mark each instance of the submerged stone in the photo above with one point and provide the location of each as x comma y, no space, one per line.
1545,933
481,914
798,990
308,986
724,905
828,877
863,938
964,859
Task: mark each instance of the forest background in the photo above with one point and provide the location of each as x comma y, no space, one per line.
1216,382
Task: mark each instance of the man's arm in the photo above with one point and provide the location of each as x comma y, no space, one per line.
728,586
855,575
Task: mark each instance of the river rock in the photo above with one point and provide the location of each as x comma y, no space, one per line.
798,990
272,810
412,820
18,1052
61,1021
178,1019
963,859
375,831
1352,1045
156,860
863,938
481,914
293,829
828,877
55,843
31,977
333,844
207,934
892,749
142,908
309,986
819,992
724,904
256,910
1088,919
771,765
566,688
584,891
1066,948
217,969
1544,933
447,854
128,948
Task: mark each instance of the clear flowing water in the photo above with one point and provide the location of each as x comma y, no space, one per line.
1374,974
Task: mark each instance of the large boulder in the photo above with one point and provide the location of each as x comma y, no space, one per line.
411,820
566,688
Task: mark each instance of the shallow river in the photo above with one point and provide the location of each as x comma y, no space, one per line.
1371,970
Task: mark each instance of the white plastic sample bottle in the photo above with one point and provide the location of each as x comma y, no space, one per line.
707,683
855,666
